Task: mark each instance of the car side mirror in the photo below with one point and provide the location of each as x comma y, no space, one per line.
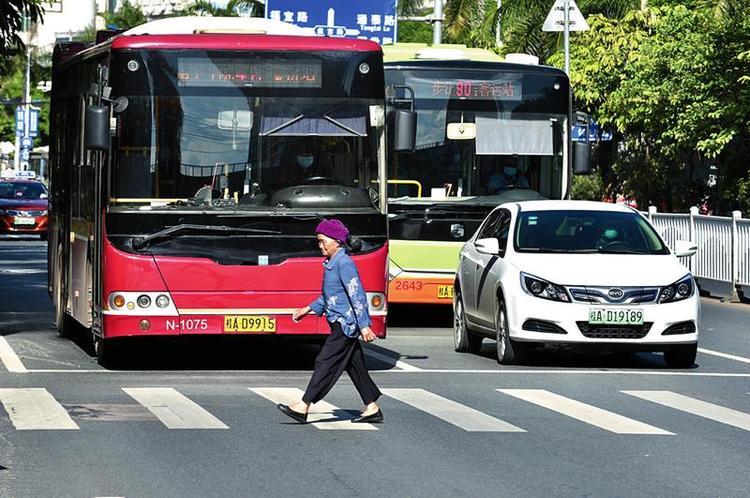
683,248
488,246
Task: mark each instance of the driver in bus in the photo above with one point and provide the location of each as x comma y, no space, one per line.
511,175
303,163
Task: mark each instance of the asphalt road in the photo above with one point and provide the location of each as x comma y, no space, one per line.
187,418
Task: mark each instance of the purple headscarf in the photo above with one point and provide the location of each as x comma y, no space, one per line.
334,229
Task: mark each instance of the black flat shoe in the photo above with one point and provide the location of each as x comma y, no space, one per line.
374,418
297,416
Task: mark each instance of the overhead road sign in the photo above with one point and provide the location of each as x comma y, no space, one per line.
556,18
364,19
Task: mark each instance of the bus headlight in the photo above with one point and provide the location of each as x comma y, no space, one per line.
119,301
144,301
162,301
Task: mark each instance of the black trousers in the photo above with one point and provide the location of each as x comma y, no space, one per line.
340,352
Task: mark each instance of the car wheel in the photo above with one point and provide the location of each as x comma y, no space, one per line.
464,341
681,356
509,352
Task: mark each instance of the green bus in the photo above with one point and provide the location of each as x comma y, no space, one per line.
488,131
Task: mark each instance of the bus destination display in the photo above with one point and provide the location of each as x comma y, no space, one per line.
477,89
291,73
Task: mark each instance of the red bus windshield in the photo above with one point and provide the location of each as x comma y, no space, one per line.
248,129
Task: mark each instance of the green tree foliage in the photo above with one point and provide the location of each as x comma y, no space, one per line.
126,17
12,13
12,87
674,82
233,8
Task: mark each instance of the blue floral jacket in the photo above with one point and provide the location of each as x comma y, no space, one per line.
343,299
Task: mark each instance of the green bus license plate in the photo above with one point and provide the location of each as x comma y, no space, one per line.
615,316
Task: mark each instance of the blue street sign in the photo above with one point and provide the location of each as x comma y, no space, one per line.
27,143
364,19
33,122
24,154
19,121
578,133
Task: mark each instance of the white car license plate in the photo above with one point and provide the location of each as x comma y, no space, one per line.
615,316
22,220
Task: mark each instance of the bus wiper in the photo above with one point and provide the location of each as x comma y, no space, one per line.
142,241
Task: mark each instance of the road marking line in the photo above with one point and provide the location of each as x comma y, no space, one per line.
34,408
392,361
9,357
724,355
175,410
586,413
461,416
23,271
319,412
694,406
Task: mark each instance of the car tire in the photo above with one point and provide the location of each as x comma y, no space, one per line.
681,356
509,352
464,340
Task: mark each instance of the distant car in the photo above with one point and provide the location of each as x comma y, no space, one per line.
574,273
23,207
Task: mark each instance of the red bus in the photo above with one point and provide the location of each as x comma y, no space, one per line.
188,173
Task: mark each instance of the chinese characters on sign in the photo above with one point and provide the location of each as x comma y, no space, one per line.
477,89
365,19
292,73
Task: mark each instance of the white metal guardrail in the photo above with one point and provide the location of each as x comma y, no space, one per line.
722,264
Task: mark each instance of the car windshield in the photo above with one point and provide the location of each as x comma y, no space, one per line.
570,231
22,190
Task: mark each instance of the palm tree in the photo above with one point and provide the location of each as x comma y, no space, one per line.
474,22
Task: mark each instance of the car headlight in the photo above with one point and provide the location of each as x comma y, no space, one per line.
682,289
541,288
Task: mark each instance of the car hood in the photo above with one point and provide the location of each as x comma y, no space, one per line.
622,270
31,204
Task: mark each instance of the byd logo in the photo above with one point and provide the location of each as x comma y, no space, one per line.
616,293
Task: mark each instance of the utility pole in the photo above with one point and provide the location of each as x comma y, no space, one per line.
437,25
26,97
566,37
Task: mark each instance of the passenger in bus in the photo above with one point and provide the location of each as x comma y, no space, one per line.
510,176
345,305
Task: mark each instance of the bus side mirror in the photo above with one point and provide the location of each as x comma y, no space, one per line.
581,158
96,133
405,130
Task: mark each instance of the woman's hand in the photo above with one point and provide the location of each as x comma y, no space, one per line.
300,313
367,334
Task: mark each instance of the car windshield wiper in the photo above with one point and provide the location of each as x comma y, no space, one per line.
142,241
620,251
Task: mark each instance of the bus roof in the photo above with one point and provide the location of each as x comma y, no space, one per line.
423,51
242,42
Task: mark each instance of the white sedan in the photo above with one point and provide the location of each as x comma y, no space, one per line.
575,273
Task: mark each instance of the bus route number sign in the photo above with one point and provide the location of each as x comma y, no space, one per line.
250,323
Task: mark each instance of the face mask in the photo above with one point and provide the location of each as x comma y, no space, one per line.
509,170
305,161
610,233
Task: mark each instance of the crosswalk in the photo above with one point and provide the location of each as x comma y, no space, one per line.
36,409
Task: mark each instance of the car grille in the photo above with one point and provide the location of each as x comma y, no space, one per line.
600,295
542,326
614,331
680,328
12,212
